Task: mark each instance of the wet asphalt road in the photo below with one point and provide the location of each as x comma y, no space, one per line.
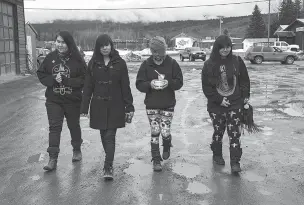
272,163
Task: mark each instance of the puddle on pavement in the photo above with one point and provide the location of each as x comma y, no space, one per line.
204,203
35,158
266,193
138,168
264,109
266,128
294,109
186,169
252,177
296,149
198,188
268,133
35,178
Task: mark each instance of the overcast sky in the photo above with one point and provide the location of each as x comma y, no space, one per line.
38,16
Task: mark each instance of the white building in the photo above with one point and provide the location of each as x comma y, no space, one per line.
183,41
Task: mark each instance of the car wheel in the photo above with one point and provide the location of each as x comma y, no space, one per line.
289,60
258,59
181,58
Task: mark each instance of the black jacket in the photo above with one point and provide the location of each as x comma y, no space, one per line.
209,83
73,74
159,99
107,92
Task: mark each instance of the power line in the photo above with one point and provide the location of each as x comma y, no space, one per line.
152,8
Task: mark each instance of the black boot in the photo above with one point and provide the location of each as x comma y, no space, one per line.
53,156
235,157
77,155
166,150
217,149
156,158
108,172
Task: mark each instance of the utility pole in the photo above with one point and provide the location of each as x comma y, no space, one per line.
268,21
221,21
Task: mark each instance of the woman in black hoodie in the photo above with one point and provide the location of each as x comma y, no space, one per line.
226,85
108,94
159,77
63,73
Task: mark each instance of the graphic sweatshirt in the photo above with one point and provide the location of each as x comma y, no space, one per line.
216,87
72,72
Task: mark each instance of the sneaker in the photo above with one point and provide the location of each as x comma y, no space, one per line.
77,156
218,159
157,165
235,167
108,173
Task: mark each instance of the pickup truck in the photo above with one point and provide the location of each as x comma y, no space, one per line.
192,53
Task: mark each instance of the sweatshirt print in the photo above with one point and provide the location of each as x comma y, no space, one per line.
63,70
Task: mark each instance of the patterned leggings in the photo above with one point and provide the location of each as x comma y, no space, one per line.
231,120
160,121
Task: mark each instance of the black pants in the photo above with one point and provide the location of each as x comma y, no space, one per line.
56,113
108,142
231,121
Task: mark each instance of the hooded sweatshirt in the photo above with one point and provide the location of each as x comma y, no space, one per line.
159,99
72,72
224,78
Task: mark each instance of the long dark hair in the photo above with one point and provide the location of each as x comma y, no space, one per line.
73,49
103,40
221,42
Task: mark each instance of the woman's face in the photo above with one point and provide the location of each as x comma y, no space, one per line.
224,52
105,50
158,56
61,46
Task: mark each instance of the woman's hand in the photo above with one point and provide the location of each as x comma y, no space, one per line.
84,115
225,102
58,78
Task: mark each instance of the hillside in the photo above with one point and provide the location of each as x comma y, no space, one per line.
85,32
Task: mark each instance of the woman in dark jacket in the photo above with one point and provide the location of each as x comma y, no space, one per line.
159,77
226,85
63,72
108,94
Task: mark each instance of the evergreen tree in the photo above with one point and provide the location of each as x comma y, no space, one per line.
257,28
273,27
298,8
287,12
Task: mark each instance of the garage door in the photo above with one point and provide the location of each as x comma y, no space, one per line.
7,45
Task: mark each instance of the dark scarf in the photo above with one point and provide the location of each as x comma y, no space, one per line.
64,57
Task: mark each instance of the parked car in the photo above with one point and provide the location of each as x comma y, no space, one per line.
281,45
192,53
258,54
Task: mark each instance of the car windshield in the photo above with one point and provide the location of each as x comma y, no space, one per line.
196,49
